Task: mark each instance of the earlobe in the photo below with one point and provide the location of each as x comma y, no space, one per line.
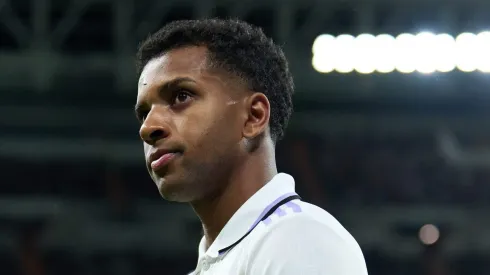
258,114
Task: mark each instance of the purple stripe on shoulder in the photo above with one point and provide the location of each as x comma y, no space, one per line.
269,207
279,212
267,221
296,208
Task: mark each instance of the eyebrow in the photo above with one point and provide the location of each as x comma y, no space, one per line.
167,86
175,82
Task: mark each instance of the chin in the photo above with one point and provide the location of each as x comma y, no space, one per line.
175,190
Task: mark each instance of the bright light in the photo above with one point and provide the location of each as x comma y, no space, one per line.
429,234
483,42
424,52
365,60
323,63
322,43
444,57
385,52
466,52
406,54
345,59
324,50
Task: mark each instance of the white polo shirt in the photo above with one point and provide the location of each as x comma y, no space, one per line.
275,233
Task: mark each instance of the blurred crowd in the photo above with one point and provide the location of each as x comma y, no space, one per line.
368,170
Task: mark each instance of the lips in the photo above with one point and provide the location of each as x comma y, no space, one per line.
161,158
162,161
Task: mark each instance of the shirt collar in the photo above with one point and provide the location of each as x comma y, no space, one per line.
250,213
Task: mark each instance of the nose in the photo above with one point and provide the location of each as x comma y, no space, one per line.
153,129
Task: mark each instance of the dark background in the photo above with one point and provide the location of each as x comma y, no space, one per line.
384,153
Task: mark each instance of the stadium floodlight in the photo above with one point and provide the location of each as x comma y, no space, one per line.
322,43
406,61
483,42
424,52
324,53
344,54
365,57
444,57
466,52
385,53
323,63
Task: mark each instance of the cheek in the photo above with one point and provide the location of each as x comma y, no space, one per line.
207,131
199,131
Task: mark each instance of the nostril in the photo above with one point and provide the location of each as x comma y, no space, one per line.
157,134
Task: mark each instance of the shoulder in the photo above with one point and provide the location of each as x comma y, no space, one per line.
302,217
311,237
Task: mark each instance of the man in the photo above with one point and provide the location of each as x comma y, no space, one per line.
214,97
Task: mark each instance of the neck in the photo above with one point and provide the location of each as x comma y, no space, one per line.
251,175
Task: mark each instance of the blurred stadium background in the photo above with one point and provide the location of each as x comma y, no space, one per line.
390,134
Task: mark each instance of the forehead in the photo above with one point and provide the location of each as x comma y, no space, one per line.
182,62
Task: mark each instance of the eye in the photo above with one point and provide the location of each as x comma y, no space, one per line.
181,97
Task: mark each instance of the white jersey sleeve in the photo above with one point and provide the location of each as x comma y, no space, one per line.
305,246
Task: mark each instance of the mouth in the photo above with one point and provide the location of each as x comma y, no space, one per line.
162,158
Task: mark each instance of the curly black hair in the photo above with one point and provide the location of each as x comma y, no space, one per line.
240,49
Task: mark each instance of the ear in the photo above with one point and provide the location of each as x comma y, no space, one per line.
258,115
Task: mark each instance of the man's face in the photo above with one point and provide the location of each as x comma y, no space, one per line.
191,119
